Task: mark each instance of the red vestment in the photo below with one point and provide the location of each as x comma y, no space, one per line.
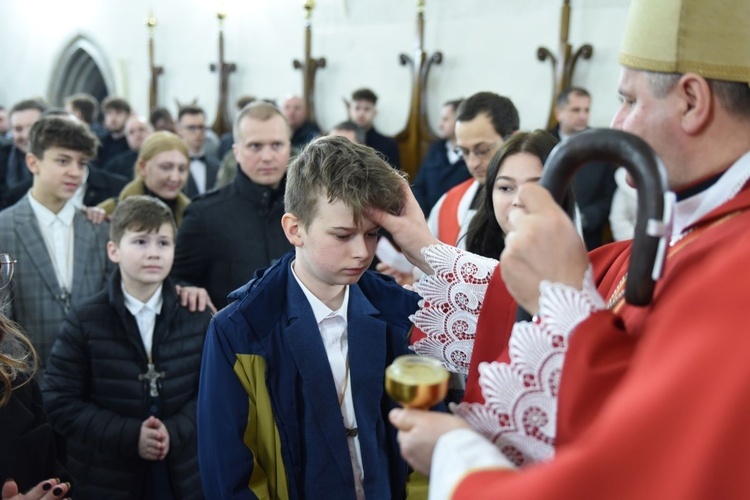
654,401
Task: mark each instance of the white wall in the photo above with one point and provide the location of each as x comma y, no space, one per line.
487,45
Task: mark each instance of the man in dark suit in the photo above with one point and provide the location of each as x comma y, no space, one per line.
85,107
594,184
229,233
442,167
362,111
4,125
13,169
116,112
137,129
303,130
191,126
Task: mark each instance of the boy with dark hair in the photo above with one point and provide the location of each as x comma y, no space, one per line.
61,254
291,400
122,378
362,111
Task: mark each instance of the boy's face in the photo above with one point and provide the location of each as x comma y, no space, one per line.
57,174
332,251
362,113
145,258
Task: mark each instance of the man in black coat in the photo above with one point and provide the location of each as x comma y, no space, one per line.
442,167
116,112
593,184
13,171
362,111
229,233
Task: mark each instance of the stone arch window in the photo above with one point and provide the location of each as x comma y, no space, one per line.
82,67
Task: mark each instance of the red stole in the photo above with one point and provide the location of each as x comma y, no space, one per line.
448,224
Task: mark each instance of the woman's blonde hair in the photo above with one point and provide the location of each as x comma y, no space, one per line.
159,142
17,356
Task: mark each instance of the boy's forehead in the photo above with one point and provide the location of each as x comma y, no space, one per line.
62,150
165,229
336,213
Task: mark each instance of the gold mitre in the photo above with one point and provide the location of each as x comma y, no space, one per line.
708,37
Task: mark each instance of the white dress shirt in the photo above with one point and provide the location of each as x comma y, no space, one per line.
58,235
333,331
145,315
198,172
453,155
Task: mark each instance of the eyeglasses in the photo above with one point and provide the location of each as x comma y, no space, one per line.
481,152
194,128
7,266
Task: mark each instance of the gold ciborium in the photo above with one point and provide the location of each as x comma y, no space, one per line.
416,381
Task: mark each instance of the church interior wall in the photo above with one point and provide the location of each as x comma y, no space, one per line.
486,45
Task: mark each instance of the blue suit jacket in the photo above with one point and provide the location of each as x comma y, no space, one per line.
264,355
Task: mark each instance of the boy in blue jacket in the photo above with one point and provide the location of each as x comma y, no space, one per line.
291,401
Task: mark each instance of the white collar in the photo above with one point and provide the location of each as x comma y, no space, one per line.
135,305
691,210
320,310
46,217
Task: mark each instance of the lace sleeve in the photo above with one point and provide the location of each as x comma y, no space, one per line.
519,414
452,299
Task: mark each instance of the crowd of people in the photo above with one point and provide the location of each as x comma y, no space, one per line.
189,316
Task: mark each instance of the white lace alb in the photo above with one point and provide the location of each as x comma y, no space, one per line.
452,299
519,414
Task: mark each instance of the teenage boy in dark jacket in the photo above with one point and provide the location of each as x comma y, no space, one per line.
291,402
122,378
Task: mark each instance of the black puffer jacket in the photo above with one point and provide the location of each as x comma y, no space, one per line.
94,399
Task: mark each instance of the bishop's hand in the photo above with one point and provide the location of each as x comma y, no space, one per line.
543,245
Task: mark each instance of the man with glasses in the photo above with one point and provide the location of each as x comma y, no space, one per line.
482,122
191,126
